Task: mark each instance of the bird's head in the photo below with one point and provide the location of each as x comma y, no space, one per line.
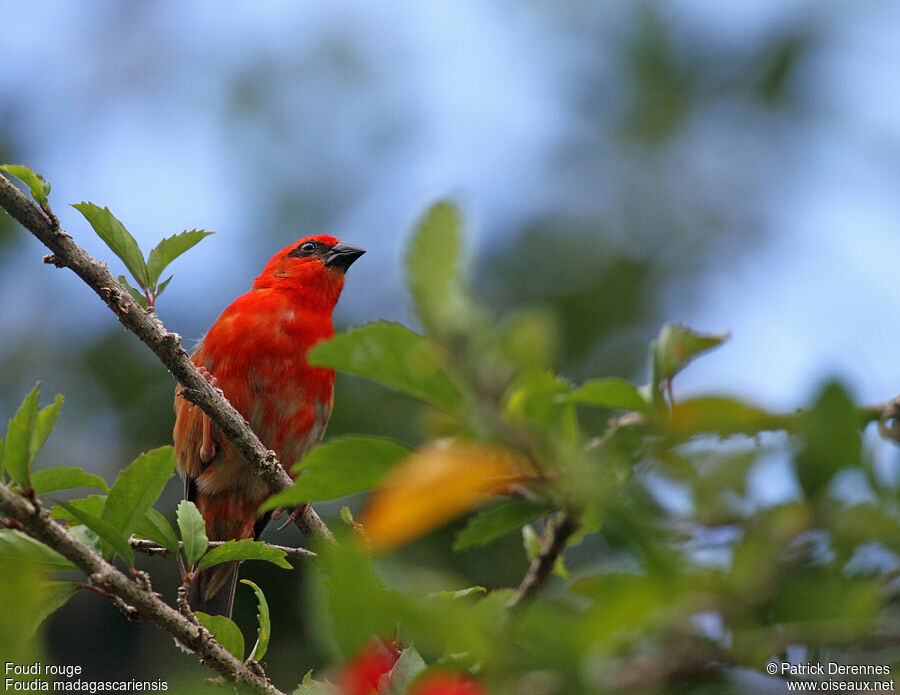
314,265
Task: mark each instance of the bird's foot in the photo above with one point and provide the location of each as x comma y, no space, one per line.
294,515
207,446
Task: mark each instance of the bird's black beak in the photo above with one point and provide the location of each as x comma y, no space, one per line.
342,255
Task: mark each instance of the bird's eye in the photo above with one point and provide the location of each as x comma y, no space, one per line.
307,248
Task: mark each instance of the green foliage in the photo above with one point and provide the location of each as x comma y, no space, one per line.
674,348
192,529
264,630
105,530
312,687
245,549
627,591
409,666
831,439
26,434
16,547
433,266
146,273
771,574
498,520
135,293
155,527
721,415
397,357
137,488
125,510
338,468
92,504
65,478
611,392
225,631
117,238
359,604
29,597
538,400
167,251
39,188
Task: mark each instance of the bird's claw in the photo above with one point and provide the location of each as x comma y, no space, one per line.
294,515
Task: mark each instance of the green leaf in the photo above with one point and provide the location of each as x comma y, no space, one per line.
164,284
264,631
498,520
117,238
676,346
136,294
39,188
56,593
19,434
407,667
104,529
28,597
16,546
559,568
193,530
394,355
65,478
43,426
339,467
86,537
311,687
433,272
359,604
92,504
347,515
721,415
137,487
26,434
531,541
155,527
225,631
538,400
168,250
830,439
610,392
245,549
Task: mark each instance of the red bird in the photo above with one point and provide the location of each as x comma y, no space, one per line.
256,353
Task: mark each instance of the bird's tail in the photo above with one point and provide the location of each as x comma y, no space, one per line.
212,590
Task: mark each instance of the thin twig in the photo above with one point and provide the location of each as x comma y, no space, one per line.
148,547
132,598
165,345
542,565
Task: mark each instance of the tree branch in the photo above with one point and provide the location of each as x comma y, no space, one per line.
150,548
543,564
134,599
165,345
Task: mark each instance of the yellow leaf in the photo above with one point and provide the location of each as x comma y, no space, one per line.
434,485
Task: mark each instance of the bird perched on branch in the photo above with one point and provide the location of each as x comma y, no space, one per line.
256,353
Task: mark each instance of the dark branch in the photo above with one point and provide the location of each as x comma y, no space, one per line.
542,565
150,548
165,345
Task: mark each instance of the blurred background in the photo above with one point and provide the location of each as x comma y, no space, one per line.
730,165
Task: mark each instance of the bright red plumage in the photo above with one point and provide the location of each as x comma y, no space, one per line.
256,353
